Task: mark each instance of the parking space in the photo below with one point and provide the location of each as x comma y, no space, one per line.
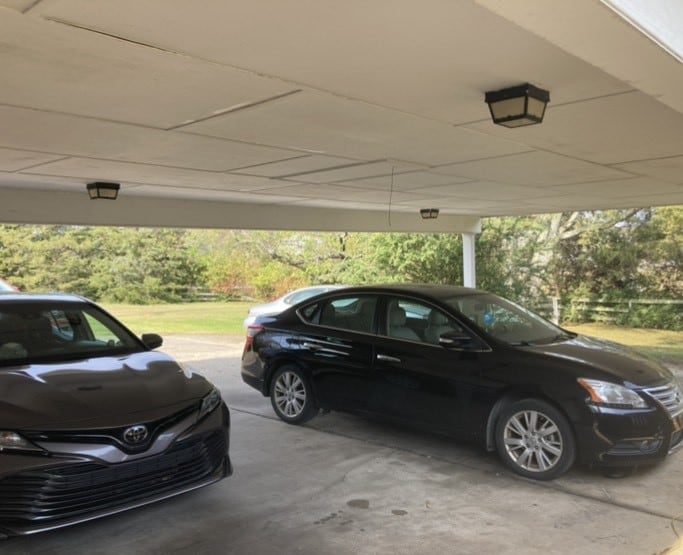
344,484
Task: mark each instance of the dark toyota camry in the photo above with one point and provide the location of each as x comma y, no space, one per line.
92,420
467,363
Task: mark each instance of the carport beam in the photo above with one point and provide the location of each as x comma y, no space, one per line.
469,277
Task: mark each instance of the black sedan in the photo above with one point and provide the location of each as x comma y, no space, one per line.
92,420
467,363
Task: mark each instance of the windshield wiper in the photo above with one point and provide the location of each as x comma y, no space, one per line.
560,337
564,336
544,340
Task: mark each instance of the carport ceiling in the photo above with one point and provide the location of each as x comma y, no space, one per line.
329,115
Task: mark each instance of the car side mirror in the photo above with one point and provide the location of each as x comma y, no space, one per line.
456,340
152,340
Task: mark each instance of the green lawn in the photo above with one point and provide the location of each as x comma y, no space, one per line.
664,345
226,318
185,318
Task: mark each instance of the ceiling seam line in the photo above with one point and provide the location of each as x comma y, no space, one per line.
332,168
31,6
118,161
237,108
39,164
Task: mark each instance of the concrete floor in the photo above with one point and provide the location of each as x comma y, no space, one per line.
344,484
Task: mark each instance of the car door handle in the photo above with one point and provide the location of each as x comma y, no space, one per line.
387,358
319,349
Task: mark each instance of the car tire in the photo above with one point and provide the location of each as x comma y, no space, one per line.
535,439
292,396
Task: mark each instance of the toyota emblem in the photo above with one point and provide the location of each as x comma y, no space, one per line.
135,434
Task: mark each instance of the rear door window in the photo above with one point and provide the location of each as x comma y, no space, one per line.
353,313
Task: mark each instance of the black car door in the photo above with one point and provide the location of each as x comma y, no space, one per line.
422,382
338,349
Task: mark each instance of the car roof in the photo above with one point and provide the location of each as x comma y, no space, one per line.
428,290
41,297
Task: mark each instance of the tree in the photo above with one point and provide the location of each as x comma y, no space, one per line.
115,264
145,265
418,257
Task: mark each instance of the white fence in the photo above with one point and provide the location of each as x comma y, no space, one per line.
598,310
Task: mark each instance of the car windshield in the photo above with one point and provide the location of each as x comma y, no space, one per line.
6,287
42,332
506,321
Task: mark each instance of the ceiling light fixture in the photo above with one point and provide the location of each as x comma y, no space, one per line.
100,189
429,213
518,106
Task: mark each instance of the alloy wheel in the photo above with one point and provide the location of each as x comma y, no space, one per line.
289,394
533,441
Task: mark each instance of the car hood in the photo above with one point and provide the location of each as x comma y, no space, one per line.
609,360
96,392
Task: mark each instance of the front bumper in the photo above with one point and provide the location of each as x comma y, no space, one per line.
615,437
40,493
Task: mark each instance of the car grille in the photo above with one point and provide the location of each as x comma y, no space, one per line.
70,492
669,396
111,436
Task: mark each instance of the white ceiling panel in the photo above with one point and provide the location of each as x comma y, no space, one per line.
17,160
87,169
666,169
19,5
408,181
434,58
534,168
40,183
611,130
621,45
114,79
297,165
340,126
78,136
638,186
380,169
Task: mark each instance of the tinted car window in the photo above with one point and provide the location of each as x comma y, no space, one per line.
299,296
354,313
36,332
416,321
506,320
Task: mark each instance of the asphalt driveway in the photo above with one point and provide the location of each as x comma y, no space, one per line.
343,484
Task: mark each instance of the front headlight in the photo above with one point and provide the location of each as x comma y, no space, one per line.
606,393
12,441
209,403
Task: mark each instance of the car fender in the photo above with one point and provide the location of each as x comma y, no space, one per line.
510,397
277,362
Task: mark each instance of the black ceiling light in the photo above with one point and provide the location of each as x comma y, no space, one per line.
518,106
101,189
429,213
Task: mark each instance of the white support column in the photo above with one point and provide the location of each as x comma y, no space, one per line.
469,272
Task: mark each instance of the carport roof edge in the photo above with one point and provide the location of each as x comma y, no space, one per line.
28,206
